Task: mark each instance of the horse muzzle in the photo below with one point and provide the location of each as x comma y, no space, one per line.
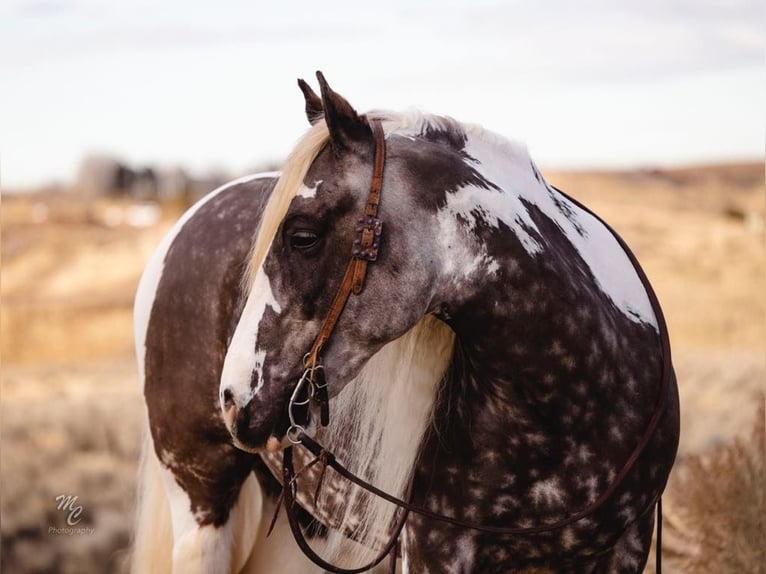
264,423
253,424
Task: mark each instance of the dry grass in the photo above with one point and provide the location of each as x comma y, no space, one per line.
716,520
72,431
71,407
69,280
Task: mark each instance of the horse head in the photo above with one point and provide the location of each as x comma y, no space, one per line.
305,242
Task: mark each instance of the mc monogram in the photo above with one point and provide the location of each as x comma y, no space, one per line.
68,504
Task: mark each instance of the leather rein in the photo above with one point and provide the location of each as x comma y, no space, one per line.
312,386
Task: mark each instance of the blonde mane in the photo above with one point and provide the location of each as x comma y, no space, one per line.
377,426
379,420
293,173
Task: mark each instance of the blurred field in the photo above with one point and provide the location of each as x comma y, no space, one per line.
71,408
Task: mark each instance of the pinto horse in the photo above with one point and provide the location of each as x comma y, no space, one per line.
458,334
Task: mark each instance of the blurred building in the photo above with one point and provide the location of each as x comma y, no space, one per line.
102,176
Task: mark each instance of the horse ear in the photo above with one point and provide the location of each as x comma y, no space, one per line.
314,110
346,126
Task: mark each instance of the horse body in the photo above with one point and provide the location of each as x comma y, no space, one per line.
183,310
528,416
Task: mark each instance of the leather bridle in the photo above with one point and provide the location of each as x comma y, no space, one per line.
367,237
312,382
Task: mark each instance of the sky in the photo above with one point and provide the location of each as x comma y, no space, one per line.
212,85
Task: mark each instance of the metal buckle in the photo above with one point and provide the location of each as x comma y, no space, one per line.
294,432
367,238
294,402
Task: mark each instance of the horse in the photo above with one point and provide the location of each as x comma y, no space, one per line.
465,340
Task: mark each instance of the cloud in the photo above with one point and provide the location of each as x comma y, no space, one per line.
42,7
107,72
604,40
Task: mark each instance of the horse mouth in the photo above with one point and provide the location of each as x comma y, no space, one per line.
271,441
247,448
264,422
261,441
272,445
257,434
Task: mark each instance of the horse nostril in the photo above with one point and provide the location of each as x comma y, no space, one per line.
228,399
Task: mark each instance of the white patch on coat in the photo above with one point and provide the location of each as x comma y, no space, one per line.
259,357
241,359
209,548
508,166
504,503
150,279
568,538
592,484
464,553
180,504
307,192
547,492
474,205
628,548
168,458
461,261
627,514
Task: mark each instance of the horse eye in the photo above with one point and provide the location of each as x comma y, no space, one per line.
303,239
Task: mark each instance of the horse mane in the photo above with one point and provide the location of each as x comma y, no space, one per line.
289,183
380,418
378,422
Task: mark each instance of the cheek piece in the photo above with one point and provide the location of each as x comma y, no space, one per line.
312,385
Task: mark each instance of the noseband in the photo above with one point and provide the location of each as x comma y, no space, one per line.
312,386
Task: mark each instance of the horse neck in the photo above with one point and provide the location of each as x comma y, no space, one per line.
548,339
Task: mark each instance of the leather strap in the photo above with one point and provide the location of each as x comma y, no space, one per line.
365,250
288,489
377,172
318,450
330,320
658,546
368,239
